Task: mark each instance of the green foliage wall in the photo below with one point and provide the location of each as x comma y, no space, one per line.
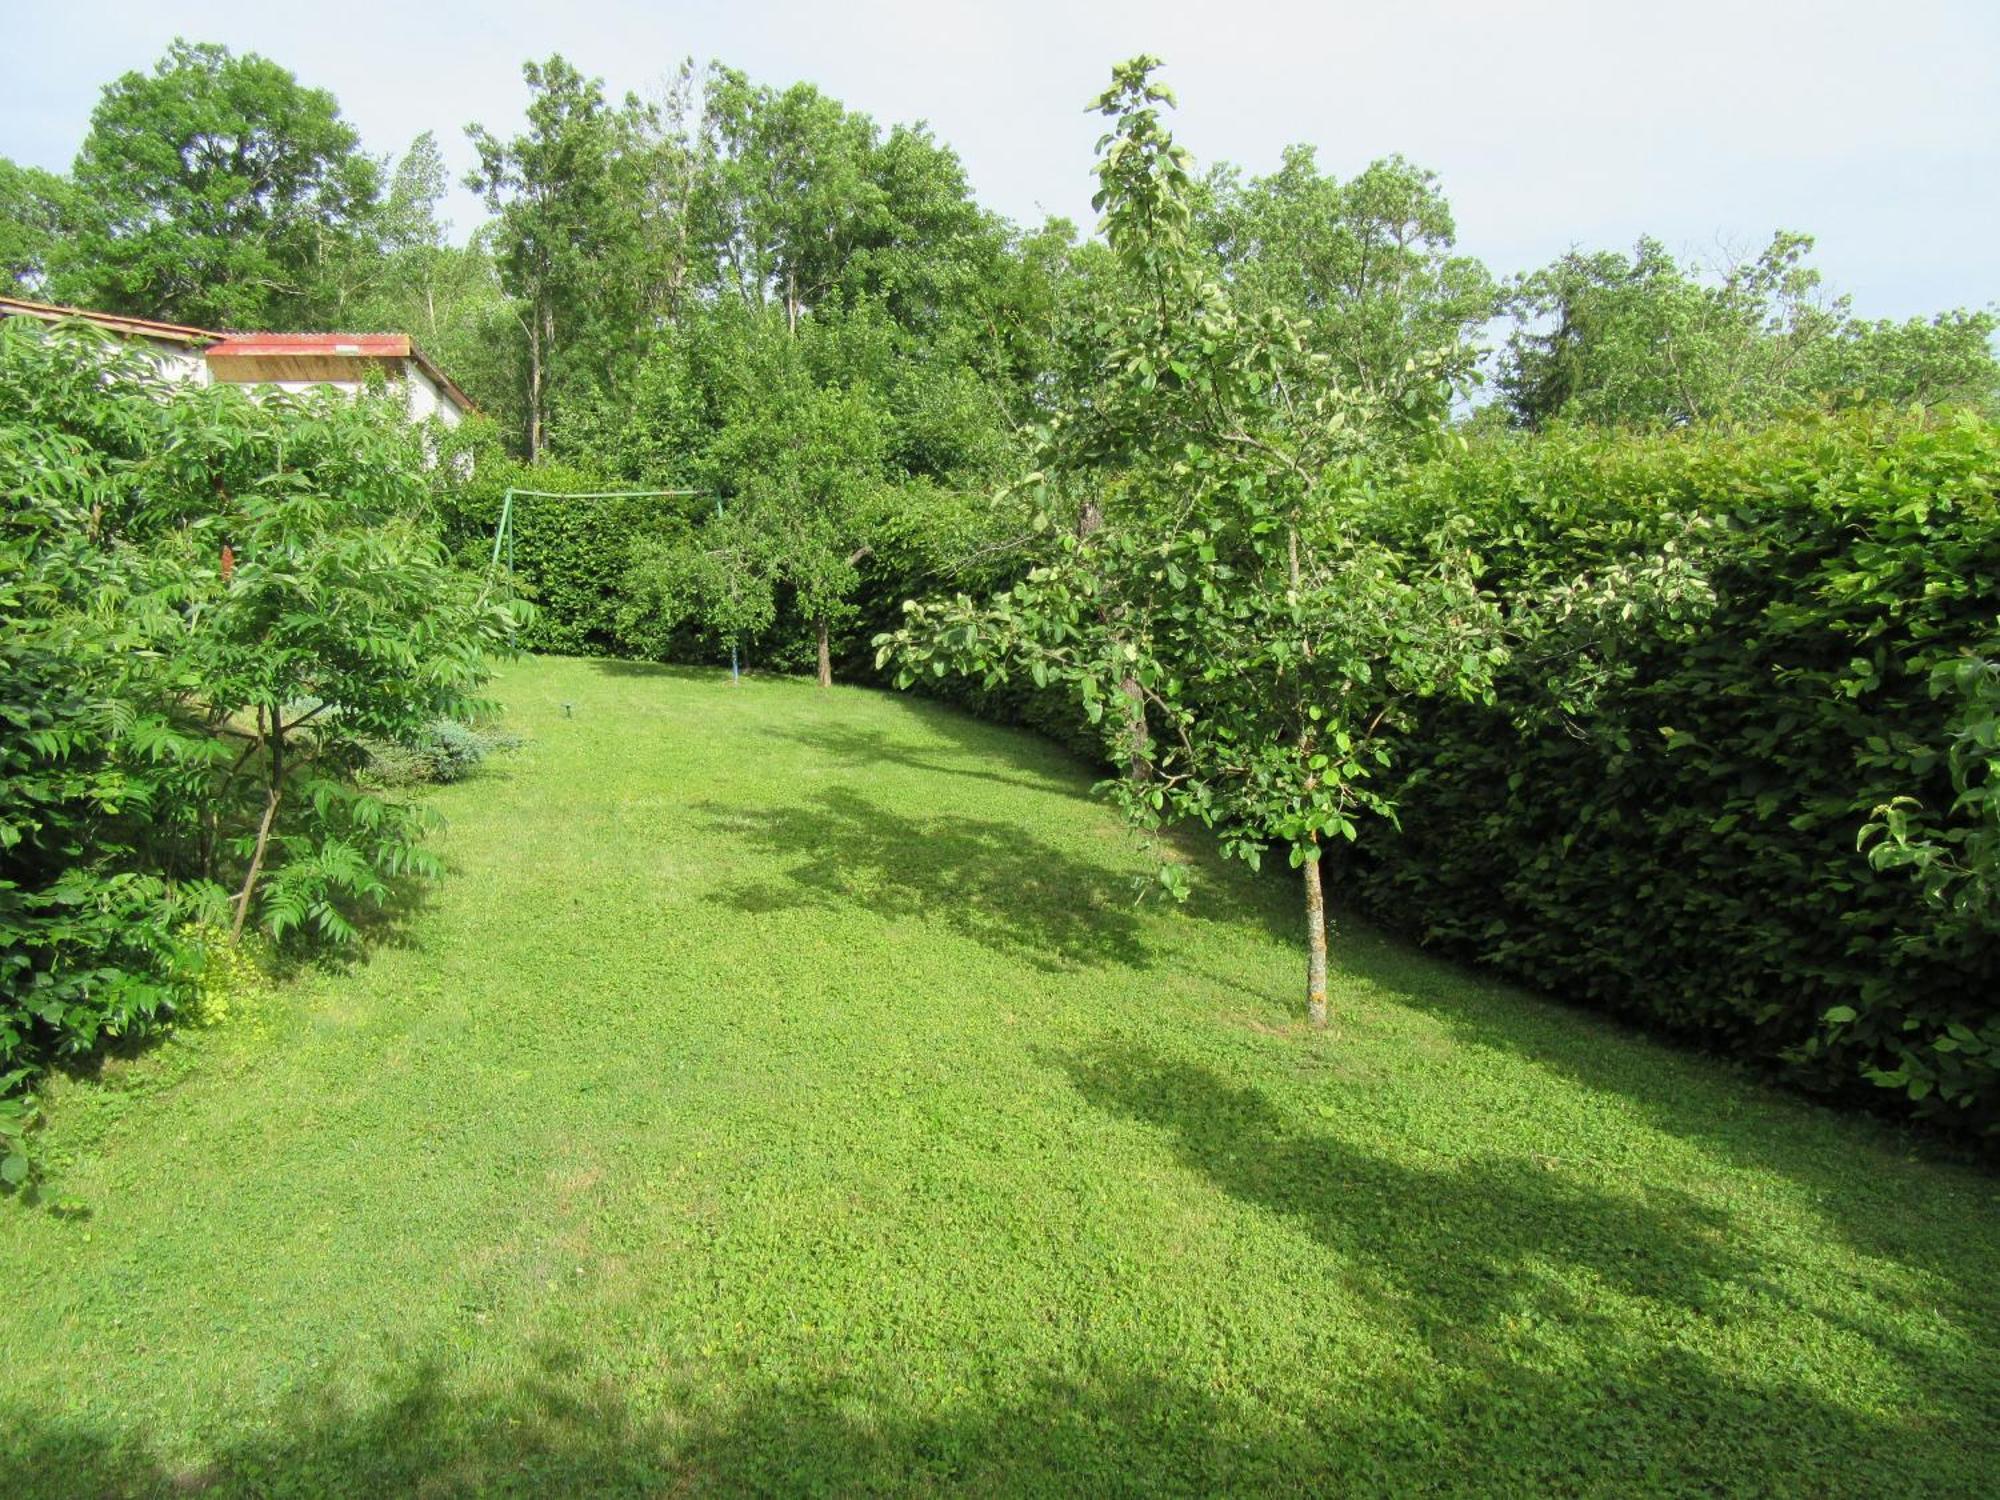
1661,817
570,555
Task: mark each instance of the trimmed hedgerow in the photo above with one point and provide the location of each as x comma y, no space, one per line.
1661,817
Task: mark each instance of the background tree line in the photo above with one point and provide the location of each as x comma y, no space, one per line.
217,189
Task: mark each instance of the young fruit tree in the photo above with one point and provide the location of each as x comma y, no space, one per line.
1231,614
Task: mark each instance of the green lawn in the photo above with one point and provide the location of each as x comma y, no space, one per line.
783,1093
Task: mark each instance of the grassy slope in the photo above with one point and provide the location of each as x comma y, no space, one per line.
782,1092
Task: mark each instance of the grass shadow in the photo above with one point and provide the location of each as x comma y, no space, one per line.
1740,1113
991,882
1225,890
1521,1283
857,747
1463,1239
631,667
562,1428
557,1431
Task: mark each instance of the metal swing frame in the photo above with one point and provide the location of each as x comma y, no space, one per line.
503,532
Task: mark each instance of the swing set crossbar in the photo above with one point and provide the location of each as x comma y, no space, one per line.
504,532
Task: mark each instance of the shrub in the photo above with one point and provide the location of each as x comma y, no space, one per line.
208,605
445,750
94,767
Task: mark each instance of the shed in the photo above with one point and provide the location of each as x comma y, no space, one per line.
299,361
287,361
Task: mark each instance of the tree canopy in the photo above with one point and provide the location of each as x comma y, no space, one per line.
1645,340
217,190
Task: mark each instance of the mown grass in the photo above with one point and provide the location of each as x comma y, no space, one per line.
783,1094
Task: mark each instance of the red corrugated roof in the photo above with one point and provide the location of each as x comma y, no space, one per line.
151,328
345,345
252,345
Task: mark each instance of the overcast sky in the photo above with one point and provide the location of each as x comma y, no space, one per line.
1874,126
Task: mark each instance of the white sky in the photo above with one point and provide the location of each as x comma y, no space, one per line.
1875,126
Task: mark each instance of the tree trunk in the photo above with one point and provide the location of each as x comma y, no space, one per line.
271,798
1315,944
792,303
1315,893
1138,739
825,656
534,390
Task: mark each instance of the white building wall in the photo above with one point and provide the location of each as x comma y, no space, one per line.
176,362
426,398
422,398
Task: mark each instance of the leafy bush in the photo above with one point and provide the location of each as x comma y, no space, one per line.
1662,817
91,763
1958,859
209,605
568,556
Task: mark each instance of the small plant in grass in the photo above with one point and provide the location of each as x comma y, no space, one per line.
446,750
232,984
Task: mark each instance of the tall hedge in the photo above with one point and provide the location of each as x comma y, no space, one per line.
569,550
1661,816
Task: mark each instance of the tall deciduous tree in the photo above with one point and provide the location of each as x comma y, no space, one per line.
580,200
216,190
1368,269
798,456
809,203
445,296
35,211
1646,341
